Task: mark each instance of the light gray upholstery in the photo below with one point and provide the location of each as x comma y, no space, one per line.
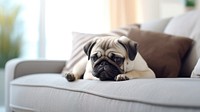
52,93
196,70
18,67
37,85
156,25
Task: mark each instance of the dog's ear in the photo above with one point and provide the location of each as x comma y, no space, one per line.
129,45
88,48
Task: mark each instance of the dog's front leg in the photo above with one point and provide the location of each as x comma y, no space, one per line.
88,73
135,75
89,76
77,71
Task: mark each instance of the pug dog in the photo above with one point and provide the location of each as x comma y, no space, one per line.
111,58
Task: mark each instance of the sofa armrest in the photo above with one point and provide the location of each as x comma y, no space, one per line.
19,67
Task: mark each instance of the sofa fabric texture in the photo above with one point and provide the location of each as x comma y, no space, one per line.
196,70
38,86
77,48
151,95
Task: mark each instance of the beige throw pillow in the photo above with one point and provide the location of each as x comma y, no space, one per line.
79,40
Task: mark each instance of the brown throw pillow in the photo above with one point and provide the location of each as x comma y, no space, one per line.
162,52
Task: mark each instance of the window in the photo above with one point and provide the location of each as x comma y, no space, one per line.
64,16
48,25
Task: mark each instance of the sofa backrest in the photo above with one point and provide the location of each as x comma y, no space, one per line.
187,25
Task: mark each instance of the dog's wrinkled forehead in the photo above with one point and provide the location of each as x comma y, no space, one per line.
107,42
110,44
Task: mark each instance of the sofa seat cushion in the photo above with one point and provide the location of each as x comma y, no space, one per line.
153,95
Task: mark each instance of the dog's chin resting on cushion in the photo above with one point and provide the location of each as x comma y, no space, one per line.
111,58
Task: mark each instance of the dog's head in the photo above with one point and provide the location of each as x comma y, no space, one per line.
109,55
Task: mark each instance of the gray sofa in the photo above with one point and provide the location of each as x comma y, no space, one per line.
37,85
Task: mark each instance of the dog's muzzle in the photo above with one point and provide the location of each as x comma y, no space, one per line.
106,69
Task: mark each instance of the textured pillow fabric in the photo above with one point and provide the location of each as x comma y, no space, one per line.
162,52
79,40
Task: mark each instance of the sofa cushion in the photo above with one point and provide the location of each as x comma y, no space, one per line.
162,52
156,25
196,70
188,25
52,93
79,40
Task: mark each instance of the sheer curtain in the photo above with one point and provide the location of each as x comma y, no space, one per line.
123,12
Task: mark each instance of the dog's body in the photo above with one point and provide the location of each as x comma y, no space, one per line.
111,58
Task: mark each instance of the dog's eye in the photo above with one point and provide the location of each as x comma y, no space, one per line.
94,57
118,60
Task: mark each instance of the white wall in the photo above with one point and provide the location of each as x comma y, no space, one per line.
149,10
170,8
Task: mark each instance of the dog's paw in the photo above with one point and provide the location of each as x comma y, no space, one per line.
121,77
70,77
